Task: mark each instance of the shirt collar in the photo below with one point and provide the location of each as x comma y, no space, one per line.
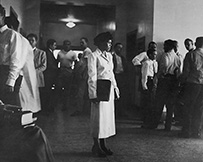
3,28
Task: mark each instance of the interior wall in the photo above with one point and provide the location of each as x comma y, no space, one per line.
32,19
140,20
60,32
17,6
32,16
177,20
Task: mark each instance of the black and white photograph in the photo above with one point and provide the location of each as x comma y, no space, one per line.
101,81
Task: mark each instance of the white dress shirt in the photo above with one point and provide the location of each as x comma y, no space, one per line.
137,60
149,69
11,53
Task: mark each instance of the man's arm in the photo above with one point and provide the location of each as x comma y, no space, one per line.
137,60
144,70
43,62
17,58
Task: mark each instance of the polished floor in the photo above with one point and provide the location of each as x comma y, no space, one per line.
70,141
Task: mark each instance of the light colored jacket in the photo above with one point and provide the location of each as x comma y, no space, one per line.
40,62
99,67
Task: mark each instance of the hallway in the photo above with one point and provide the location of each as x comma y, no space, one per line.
70,141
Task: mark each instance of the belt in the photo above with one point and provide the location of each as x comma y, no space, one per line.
150,78
169,75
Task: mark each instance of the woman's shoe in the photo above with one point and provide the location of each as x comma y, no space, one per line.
98,152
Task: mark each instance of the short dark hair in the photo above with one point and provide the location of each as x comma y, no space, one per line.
50,42
152,42
188,40
118,43
2,11
199,42
169,43
102,37
32,35
66,41
86,40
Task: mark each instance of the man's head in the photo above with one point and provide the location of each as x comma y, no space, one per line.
175,44
168,45
199,42
66,45
189,45
83,42
152,53
32,38
51,44
2,15
152,45
118,48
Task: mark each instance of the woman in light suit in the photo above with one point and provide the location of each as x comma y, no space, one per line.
100,66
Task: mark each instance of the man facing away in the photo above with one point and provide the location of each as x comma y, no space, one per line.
16,59
167,87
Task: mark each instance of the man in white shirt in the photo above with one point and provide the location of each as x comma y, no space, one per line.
167,88
149,81
16,58
12,61
66,58
137,60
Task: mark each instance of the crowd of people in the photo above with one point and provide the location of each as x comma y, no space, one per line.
166,80
172,82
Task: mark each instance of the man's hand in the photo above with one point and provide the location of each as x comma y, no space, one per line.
9,88
117,93
94,100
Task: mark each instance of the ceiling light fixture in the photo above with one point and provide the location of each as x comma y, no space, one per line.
70,24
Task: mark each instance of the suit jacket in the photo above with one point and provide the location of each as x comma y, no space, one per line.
40,62
51,71
99,67
124,63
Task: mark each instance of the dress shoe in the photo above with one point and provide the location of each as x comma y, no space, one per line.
98,152
196,135
107,151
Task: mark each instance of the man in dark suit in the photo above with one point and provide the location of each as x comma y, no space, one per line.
121,75
50,76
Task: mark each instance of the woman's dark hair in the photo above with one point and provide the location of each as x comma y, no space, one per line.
102,37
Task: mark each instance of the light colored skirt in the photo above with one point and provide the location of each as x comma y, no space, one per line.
102,119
